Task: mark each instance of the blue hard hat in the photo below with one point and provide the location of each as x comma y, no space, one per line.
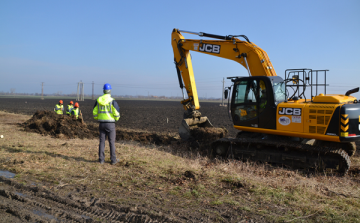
107,86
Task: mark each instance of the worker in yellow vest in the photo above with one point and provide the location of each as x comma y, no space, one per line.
59,108
107,112
76,111
70,106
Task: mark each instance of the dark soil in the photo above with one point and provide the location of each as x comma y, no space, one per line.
138,115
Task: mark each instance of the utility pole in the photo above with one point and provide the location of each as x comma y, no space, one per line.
80,95
93,96
42,90
222,93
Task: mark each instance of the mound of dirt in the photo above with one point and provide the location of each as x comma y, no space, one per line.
62,126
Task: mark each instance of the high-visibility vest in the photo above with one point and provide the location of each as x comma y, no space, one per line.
75,112
68,110
263,103
105,111
59,109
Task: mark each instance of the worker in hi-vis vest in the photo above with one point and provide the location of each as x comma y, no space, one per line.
76,111
69,107
59,108
106,111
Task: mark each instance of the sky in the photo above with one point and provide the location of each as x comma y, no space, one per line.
128,43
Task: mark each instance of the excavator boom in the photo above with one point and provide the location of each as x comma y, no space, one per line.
253,58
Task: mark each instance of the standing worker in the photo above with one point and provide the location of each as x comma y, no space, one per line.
107,112
59,108
69,107
76,111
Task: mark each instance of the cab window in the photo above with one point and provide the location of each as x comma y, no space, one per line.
245,99
279,92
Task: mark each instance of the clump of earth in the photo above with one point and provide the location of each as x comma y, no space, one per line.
206,134
62,126
202,137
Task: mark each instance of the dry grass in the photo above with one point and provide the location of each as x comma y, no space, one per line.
161,177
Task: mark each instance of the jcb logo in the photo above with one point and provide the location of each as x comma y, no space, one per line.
210,48
289,111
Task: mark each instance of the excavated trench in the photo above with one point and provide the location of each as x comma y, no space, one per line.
62,126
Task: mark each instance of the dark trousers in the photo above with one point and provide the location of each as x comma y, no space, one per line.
107,129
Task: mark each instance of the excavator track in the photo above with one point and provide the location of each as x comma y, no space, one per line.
286,152
349,147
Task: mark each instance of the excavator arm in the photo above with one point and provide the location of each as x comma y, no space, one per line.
252,57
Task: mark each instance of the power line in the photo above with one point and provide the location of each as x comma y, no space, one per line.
80,95
93,97
42,90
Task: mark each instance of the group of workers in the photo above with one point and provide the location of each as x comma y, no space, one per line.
72,109
106,111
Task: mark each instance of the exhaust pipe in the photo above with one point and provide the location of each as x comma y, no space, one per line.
352,91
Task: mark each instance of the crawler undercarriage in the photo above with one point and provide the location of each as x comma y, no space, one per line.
296,153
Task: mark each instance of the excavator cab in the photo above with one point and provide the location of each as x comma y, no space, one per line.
272,105
254,100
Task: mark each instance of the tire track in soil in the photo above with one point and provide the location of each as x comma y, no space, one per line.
35,204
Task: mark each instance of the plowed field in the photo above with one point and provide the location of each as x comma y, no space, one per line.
144,115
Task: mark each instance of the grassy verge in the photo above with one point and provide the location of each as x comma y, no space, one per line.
172,180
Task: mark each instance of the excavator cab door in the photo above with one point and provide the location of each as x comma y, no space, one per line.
252,102
245,102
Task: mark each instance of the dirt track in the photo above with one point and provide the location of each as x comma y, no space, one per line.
21,203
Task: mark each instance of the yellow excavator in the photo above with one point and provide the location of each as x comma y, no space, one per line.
277,122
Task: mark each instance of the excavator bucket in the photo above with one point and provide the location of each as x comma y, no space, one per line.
184,129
